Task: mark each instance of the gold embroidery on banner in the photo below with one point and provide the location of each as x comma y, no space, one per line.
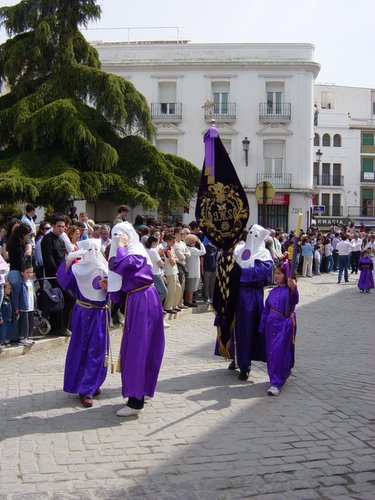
222,211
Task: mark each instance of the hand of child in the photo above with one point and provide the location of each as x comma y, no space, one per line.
103,283
1,321
292,284
123,240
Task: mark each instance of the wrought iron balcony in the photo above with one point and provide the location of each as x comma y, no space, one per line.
368,210
275,112
283,180
166,111
328,180
332,211
225,111
368,177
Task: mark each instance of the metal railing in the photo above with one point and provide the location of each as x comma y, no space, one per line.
328,180
367,177
166,110
365,211
222,111
276,111
283,180
332,211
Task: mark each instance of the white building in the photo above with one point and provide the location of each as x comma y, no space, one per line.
263,92
344,178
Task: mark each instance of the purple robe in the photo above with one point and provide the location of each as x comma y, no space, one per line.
246,342
142,345
366,279
279,332
84,365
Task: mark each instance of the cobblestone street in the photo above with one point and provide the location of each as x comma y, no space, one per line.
205,435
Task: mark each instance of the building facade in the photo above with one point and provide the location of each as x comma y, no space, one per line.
260,95
344,169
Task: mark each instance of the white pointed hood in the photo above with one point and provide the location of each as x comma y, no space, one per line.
254,248
91,265
134,247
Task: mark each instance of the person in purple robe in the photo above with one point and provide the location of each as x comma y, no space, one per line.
278,324
88,352
256,266
131,282
366,279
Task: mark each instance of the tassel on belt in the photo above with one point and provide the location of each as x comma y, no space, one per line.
108,350
118,366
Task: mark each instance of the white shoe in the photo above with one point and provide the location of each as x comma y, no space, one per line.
126,411
273,391
166,325
23,342
183,307
29,342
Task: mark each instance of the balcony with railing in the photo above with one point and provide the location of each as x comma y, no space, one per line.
333,211
283,180
366,211
166,111
368,177
275,112
225,111
328,180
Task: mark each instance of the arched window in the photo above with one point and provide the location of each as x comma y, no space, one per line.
326,140
337,141
316,140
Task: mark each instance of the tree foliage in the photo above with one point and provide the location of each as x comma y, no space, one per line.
69,129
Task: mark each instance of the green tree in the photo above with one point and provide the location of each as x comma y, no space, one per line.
69,129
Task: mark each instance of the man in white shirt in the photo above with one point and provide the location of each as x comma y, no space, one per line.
344,247
356,253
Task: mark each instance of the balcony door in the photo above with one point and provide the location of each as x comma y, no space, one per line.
167,98
274,157
220,97
275,91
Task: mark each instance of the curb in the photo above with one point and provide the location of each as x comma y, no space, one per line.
45,343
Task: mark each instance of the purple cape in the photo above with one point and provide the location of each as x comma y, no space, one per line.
142,345
279,331
84,366
366,279
249,344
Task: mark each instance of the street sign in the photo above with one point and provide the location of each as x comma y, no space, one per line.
265,191
319,209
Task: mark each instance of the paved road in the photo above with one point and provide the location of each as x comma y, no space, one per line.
206,435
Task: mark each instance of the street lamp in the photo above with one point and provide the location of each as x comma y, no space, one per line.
318,156
245,147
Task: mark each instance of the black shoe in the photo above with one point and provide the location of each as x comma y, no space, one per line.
244,374
232,366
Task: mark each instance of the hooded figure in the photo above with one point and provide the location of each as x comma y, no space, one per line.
88,353
256,266
131,282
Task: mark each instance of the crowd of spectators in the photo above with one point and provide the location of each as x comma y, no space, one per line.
184,262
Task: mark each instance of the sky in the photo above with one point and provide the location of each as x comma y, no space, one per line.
341,30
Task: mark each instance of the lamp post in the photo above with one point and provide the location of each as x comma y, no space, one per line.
318,156
245,147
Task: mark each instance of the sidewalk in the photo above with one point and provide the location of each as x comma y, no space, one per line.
206,435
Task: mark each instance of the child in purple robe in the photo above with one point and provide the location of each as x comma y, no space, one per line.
131,281
278,323
88,353
366,279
